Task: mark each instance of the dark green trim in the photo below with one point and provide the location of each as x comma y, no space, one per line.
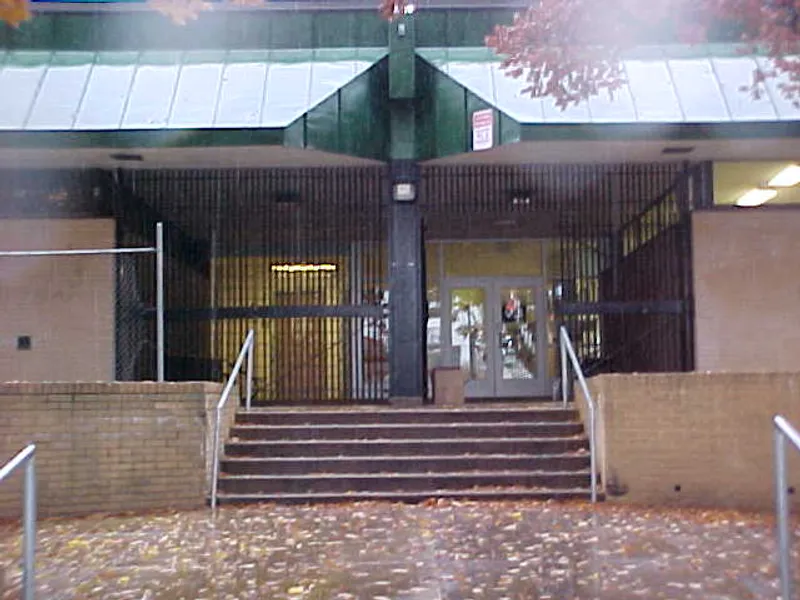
221,30
659,131
444,116
353,121
161,138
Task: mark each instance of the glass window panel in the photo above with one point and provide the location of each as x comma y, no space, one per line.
518,337
468,330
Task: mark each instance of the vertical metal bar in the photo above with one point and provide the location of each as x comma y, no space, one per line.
251,343
160,300
29,531
593,448
215,458
564,367
782,506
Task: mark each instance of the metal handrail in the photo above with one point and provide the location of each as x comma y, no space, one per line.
26,458
246,351
568,351
783,431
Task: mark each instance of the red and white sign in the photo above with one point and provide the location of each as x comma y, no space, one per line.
482,129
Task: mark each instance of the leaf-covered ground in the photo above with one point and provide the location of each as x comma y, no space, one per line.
377,551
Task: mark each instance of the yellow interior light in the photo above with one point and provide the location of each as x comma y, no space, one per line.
756,197
303,268
788,177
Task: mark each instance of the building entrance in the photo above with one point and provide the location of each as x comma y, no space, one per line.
494,329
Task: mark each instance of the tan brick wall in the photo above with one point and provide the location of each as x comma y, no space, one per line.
747,290
110,447
65,304
710,434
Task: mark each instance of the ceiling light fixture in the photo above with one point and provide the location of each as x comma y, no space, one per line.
756,197
678,150
788,177
303,268
127,157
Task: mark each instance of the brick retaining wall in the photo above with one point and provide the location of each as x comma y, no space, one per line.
110,447
694,439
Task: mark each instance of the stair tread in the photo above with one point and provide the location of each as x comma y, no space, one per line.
450,474
519,491
410,440
403,457
571,423
410,411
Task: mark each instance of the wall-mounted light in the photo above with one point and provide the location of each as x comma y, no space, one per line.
404,192
756,197
303,268
788,177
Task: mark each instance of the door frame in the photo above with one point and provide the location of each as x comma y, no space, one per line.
494,386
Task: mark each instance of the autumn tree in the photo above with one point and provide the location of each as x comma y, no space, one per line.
572,49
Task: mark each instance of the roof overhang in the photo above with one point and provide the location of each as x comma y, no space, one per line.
688,98
87,101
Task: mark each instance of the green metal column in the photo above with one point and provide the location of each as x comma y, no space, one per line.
407,301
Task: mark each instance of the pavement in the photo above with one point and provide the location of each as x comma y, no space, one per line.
382,551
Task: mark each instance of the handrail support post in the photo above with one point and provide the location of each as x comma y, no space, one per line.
246,352
782,508
29,531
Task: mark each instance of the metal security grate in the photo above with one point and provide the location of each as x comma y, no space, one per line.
298,255
626,287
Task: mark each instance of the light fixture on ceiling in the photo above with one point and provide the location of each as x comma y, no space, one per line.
756,197
127,157
678,150
788,177
304,268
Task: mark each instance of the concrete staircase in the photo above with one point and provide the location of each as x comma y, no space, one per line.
536,451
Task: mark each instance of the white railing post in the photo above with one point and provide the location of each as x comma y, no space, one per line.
250,372
564,367
568,352
245,352
26,459
782,431
29,531
160,345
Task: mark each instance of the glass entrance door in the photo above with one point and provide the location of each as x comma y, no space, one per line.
496,334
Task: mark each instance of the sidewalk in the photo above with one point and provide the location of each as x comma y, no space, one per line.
452,551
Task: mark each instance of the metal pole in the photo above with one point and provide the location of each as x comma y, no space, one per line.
564,367
160,299
215,458
592,450
250,368
782,505
29,531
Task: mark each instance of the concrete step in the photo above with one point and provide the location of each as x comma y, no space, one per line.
406,447
517,493
316,431
406,482
403,464
550,412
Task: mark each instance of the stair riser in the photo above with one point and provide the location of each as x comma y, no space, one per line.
415,465
501,430
390,484
433,448
442,416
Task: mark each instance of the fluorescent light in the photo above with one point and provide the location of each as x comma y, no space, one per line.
756,197
789,177
303,268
